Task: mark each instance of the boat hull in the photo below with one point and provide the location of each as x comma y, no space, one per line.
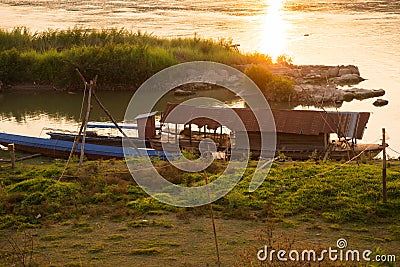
368,151
61,148
98,139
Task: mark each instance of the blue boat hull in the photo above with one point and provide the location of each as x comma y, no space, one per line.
61,149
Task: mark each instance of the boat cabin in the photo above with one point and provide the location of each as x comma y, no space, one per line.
300,134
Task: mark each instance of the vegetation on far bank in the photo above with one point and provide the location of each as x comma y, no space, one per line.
120,58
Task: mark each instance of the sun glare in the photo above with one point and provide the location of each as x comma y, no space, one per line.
273,29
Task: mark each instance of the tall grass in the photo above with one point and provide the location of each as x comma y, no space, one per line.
118,56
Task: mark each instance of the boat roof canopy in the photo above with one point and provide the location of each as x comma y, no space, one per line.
302,122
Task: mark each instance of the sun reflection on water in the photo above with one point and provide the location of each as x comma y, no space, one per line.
273,29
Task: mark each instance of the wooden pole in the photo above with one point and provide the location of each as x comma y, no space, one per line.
28,157
22,158
384,189
212,220
116,124
220,139
107,112
89,107
176,133
78,137
190,133
76,142
11,148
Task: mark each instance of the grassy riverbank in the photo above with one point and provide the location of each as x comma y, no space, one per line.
120,57
315,203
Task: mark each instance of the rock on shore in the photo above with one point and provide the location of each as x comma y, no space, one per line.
318,84
380,102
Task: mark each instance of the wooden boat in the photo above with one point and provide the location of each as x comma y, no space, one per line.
93,138
61,148
365,150
368,151
299,134
110,125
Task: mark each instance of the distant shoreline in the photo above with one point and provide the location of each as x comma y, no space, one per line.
124,60
314,84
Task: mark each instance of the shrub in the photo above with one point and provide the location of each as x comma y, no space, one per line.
274,87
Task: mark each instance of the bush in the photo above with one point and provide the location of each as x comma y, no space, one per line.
274,87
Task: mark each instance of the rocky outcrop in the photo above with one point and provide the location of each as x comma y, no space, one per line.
360,93
380,103
316,84
323,94
317,72
347,79
316,94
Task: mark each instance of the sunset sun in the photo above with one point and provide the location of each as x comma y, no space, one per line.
273,29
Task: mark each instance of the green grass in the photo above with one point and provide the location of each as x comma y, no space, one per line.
31,195
98,216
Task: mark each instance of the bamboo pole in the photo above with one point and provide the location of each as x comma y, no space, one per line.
76,141
116,124
107,112
78,137
89,107
212,220
384,188
22,158
176,133
29,157
11,148
190,133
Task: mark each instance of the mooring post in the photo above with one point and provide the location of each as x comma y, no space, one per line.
11,148
384,189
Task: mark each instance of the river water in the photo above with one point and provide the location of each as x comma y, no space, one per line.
360,32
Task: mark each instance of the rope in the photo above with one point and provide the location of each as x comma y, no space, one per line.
393,150
82,104
77,136
339,130
312,99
